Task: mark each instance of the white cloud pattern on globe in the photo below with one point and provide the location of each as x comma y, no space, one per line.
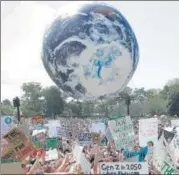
92,53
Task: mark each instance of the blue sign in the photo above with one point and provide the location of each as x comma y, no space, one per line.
8,120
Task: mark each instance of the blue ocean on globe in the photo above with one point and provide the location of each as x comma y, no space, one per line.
91,53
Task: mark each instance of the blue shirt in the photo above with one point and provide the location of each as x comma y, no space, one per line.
141,153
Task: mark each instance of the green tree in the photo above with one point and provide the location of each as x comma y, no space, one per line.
155,105
88,108
173,105
7,108
32,100
125,96
102,107
170,93
139,95
7,102
54,104
75,108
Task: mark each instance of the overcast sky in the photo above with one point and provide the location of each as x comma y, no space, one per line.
156,25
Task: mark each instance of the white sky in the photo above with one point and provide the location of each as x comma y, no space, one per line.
156,25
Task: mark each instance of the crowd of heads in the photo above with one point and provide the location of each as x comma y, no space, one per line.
101,151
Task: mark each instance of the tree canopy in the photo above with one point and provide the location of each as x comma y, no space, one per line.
49,102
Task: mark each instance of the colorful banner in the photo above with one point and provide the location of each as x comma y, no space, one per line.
37,120
19,142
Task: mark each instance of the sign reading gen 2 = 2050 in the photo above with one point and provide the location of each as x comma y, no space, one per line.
124,168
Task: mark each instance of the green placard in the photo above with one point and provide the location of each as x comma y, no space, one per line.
52,143
9,160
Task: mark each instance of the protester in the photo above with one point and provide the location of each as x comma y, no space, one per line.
69,155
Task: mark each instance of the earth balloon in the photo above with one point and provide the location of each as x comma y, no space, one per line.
90,53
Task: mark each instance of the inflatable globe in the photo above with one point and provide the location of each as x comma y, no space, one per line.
91,53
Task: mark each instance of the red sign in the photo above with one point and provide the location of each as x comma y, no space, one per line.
37,119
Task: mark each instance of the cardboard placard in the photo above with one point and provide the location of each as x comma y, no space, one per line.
15,137
19,142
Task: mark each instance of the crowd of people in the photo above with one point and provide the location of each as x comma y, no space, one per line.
70,153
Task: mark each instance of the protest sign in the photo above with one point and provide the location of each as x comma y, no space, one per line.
124,168
41,137
25,151
174,122
122,132
77,151
37,119
161,158
19,142
51,143
159,154
98,128
148,131
173,147
16,137
51,155
34,153
8,153
7,123
61,132
168,169
54,122
35,132
85,138
38,126
52,130
11,168
36,142
85,164
24,127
